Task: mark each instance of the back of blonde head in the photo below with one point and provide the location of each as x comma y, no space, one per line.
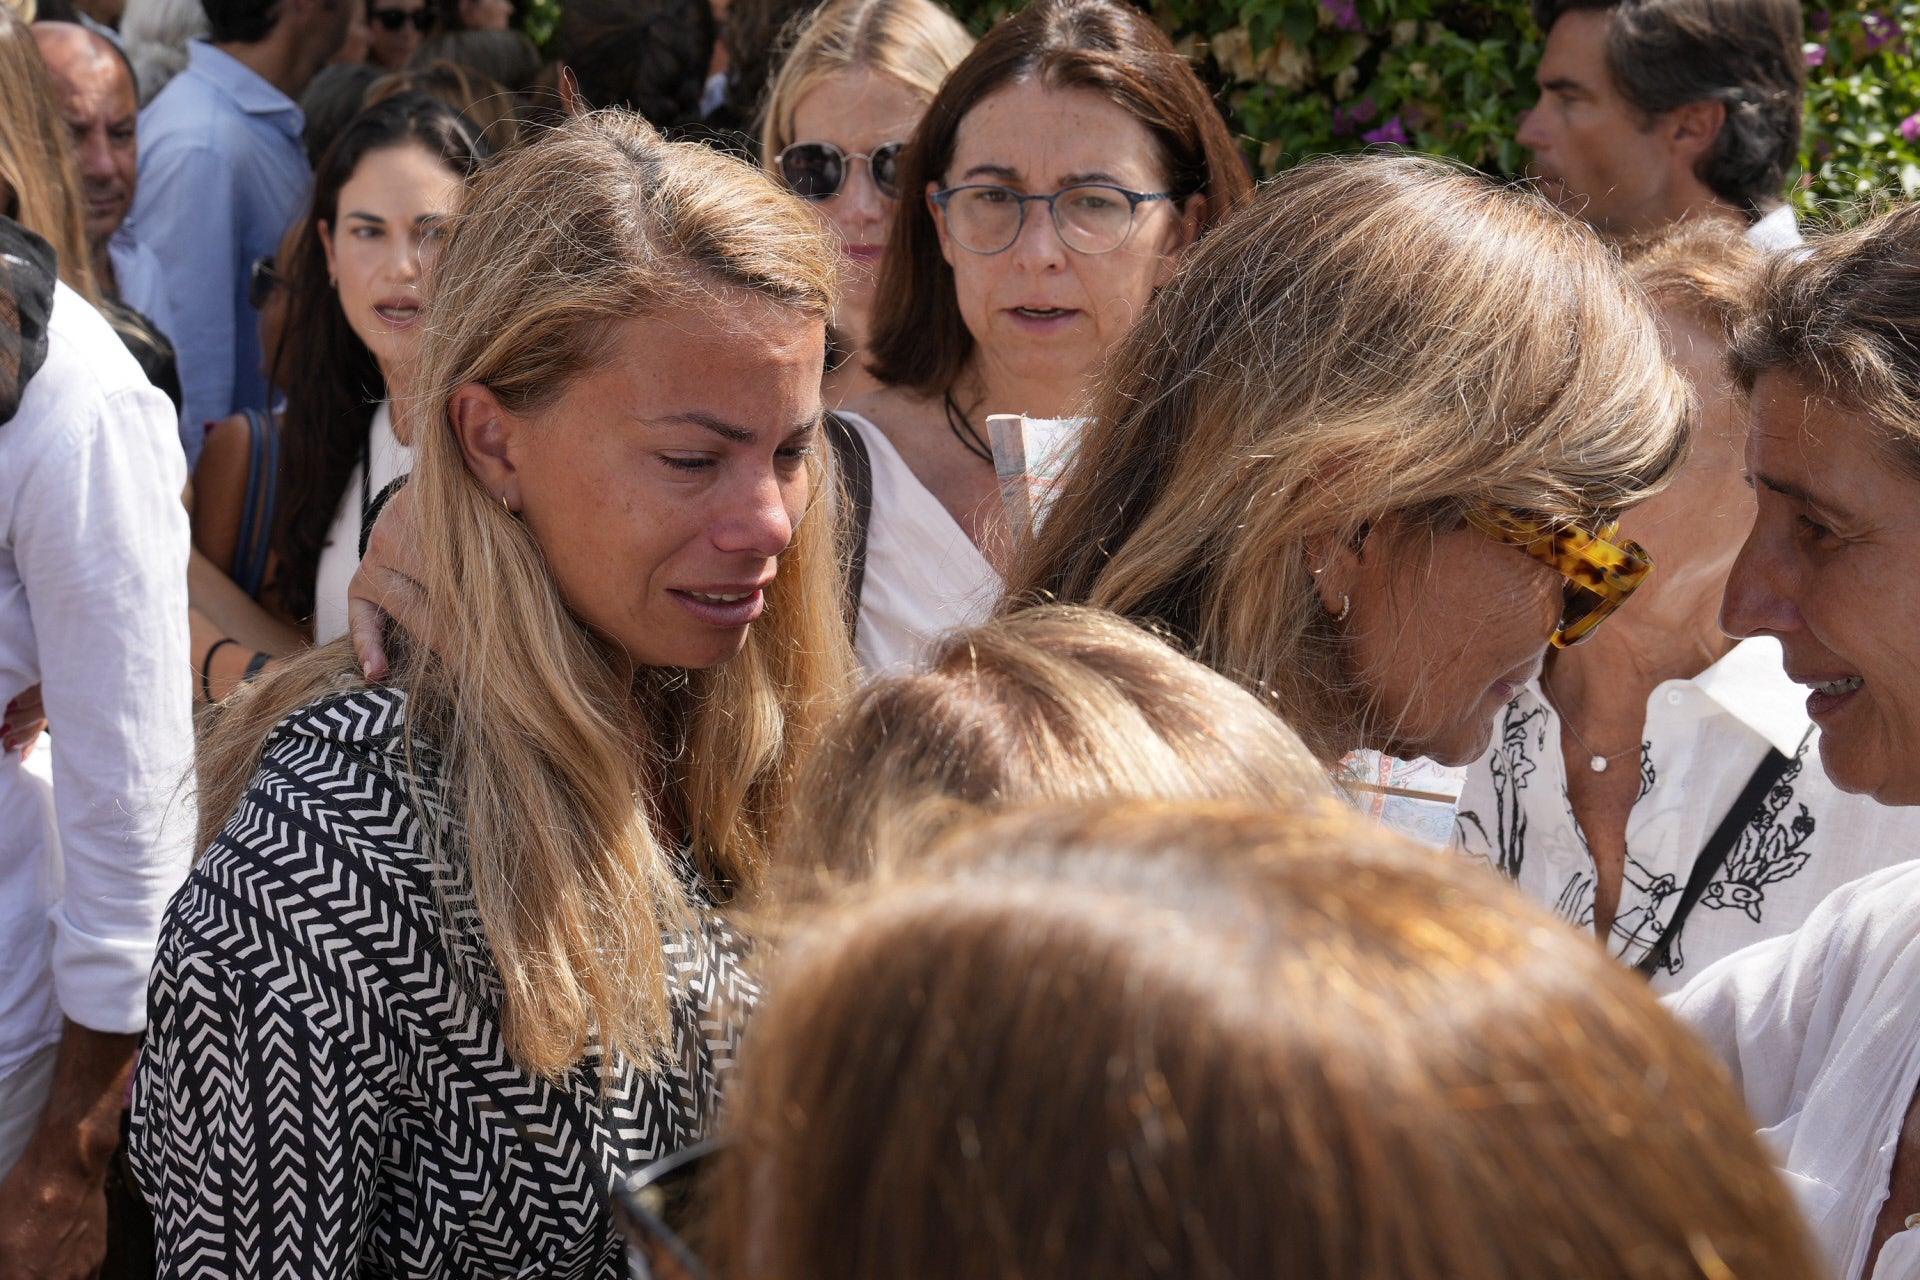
914,41
1370,335
569,789
1140,1040
1053,704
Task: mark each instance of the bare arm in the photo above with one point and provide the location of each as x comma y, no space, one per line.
53,1207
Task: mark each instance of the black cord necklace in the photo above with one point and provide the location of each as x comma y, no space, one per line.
964,432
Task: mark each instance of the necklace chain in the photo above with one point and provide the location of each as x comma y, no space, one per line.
1596,762
965,432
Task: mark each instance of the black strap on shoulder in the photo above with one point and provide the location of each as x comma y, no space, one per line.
855,469
1746,806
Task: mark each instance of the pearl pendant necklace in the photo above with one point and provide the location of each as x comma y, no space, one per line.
1595,761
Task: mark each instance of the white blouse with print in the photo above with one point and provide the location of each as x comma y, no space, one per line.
1704,738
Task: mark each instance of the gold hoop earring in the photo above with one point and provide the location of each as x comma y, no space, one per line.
1346,607
503,504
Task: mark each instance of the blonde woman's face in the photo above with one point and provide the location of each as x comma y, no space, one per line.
664,486
858,111
1445,629
1039,310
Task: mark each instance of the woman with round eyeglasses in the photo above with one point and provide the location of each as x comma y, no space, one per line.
1364,452
847,98
1052,186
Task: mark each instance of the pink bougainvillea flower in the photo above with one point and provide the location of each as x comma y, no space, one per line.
1879,29
1344,14
1392,133
1910,127
1348,120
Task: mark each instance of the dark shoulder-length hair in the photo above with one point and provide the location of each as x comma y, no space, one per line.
330,379
919,339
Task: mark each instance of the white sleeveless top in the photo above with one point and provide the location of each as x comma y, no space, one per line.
924,574
341,554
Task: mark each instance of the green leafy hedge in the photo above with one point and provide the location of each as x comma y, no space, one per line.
1306,77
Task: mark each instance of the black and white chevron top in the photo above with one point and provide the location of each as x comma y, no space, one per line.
324,1090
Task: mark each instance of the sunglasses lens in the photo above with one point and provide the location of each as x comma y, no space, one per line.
814,170
886,169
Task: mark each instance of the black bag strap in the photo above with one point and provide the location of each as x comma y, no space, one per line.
855,469
1746,806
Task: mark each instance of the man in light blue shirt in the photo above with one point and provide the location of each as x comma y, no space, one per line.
222,177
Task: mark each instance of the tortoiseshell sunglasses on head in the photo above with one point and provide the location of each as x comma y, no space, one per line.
1600,571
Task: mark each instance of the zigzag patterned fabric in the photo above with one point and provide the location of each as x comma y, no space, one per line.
324,1090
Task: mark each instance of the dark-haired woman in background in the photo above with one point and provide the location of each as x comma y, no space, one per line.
289,533
1053,184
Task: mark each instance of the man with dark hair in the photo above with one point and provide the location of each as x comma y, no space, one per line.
100,102
222,177
1651,111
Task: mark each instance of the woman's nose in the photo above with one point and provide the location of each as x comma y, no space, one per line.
1759,596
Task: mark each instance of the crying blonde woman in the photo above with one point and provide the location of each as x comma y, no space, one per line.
450,960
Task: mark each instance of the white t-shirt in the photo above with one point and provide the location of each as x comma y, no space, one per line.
93,608
1821,1029
341,554
924,574
1704,737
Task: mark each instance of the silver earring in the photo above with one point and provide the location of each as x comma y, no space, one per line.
1346,607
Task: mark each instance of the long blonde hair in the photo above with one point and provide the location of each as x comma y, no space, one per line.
563,804
36,160
1371,335
1134,1040
1052,704
915,41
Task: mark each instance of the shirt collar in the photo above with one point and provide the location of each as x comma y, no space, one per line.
1777,231
249,90
1750,683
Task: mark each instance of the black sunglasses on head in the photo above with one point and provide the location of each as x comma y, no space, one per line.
394,19
817,170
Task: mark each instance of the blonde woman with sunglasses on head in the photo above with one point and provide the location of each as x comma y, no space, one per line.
1661,786
848,96
1360,455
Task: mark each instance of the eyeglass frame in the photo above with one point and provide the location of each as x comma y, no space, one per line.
628,1204
1592,560
1134,199
846,157
422,19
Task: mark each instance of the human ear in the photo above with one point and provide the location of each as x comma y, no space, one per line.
489,437
1694,126
1192,217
